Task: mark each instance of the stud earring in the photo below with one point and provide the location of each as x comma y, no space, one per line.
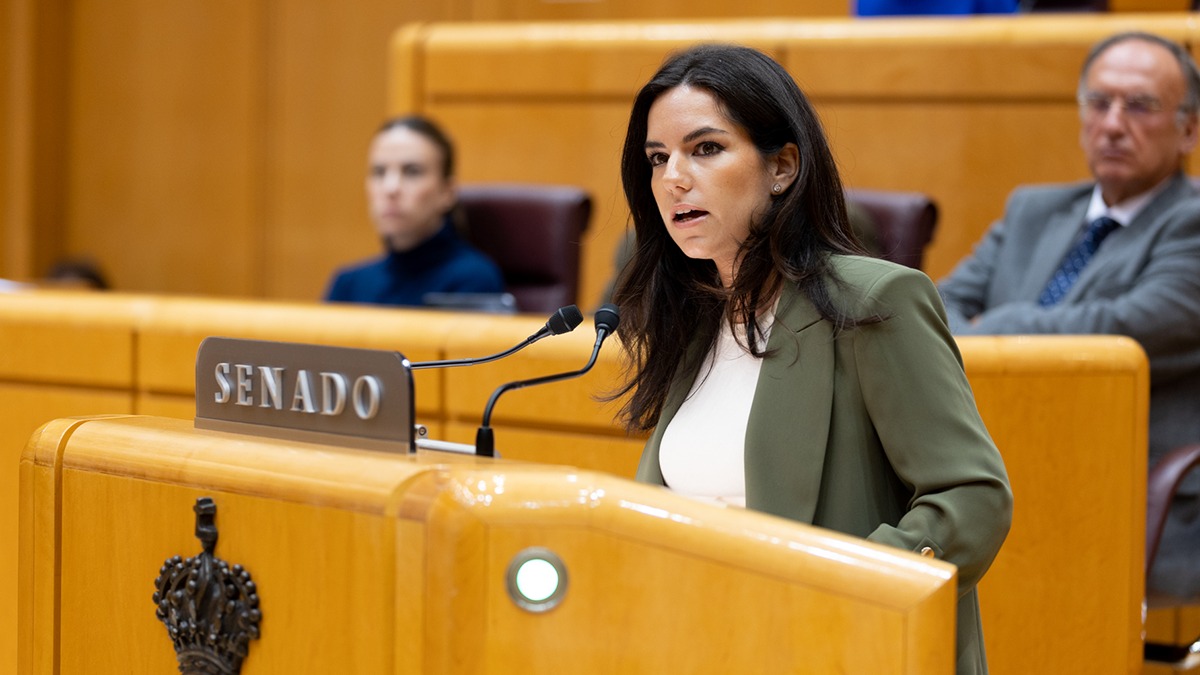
776,188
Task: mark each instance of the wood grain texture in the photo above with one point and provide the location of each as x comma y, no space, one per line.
218,149
323,537
1065,412
1077,466
165,179
964,109
171,335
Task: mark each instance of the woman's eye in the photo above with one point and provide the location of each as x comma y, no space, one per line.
412,171
708,148
656,159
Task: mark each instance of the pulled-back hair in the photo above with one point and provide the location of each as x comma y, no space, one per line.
427,128
668,301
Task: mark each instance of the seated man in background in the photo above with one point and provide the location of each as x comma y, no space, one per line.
410,194
1120,255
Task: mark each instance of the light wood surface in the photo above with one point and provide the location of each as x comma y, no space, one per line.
60,354
544,10
170,336
224,146
963,109
153,100
203,137
342,545
1173,626
26,407
613,454
69,337
192,208
1068,414
33,143
569,404
1077,466
1149,5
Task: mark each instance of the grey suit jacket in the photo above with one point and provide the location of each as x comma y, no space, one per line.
1143,282
873,432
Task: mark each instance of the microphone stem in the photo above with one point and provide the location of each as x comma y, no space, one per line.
484,436
487,411
485,359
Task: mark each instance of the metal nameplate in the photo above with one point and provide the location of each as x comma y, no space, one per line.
334,395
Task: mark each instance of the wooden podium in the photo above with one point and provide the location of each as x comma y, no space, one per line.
375,562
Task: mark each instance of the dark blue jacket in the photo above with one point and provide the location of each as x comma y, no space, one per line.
443,264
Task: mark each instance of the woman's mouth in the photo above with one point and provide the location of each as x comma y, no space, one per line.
688,215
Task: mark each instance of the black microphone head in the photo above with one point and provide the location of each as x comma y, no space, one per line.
565,320
608,318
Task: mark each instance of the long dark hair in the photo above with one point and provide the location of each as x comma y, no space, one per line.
670,302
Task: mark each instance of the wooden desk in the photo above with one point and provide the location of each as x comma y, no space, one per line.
1068,414
376,563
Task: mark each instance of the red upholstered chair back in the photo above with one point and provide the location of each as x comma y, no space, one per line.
1163,482
533,232
905,222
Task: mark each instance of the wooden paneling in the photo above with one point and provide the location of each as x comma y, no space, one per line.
964,109
78,339
169,338
328,527
34,52
13,249
218,147
1072,504
179,406
373,563
560,155
1066,412
969,155
1173,626
27,407
558,10
616,455
570,404
164,182
60,354
325,98
1149,5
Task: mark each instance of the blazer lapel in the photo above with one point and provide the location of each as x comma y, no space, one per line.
790,416
1127,242
1062,229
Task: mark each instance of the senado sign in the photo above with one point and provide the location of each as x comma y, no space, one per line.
339,395
329,398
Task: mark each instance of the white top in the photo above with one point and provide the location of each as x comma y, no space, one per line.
702,454
1126,211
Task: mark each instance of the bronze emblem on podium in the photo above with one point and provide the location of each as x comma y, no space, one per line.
210,609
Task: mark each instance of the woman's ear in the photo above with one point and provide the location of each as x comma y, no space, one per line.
448,194
785,166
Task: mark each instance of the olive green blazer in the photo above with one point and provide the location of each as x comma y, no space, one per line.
873,432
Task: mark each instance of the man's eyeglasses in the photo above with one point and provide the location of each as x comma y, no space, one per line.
1097,105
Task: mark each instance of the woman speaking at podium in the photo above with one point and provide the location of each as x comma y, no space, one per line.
780,369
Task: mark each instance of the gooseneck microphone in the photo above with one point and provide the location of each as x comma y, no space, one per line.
606,320
564,320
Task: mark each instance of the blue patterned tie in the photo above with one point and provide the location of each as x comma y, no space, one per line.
1076,259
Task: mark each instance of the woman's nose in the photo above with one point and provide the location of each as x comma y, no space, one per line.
391,182
675,174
